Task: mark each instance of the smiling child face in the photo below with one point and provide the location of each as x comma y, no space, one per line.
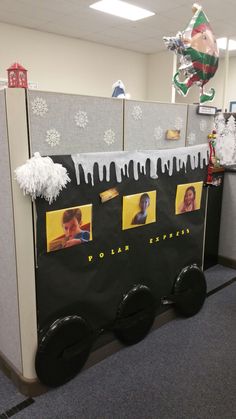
189,197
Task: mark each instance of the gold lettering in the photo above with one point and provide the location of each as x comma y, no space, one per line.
187,231
126,248
101,255
157,239
119,250
150,241
164,236
113,252
182,232
177,233
170,235
90,258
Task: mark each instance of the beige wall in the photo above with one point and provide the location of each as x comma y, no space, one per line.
159,76
69,65
159,81
231,91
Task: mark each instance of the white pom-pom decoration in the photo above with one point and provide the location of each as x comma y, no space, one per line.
41,177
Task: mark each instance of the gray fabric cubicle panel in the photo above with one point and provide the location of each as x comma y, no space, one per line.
69,124
198,126
9,318
146,124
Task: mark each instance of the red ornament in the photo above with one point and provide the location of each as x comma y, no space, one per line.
17,76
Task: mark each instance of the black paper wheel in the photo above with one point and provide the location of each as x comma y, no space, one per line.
63,350
135,315
190,290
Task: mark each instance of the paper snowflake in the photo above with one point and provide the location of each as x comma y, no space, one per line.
81,119
158,133
53,137
179,123
109,137
39,106
203,125
137,113
192,138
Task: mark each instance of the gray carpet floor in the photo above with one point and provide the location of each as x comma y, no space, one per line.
9,395
184,370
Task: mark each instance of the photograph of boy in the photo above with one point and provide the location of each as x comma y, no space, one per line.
139,209
141,216
68,227
71,221
188,197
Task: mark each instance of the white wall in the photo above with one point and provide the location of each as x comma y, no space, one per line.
231,91
69,65
159,81
159,76
217,82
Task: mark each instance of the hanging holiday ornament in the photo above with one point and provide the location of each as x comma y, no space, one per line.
17,76
199,55
212,157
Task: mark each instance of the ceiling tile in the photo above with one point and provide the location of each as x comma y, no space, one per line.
75,18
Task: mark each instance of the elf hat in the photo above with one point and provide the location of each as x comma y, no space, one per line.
201,23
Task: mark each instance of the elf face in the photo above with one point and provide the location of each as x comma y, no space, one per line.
205,42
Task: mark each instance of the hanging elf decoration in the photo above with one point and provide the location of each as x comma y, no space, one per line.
198,52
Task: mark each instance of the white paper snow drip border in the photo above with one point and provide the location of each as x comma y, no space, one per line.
121,160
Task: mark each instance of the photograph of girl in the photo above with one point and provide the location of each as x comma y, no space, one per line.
188,197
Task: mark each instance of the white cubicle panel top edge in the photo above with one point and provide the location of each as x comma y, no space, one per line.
134,101
78,95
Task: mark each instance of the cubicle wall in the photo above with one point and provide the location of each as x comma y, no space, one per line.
146,125
67,124
198,126
18,326
9,313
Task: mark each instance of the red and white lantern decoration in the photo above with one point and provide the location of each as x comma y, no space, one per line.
17,76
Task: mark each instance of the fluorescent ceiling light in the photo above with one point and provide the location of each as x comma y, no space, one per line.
222,44
121,9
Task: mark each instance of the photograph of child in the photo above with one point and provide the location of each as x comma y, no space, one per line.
188,197
141,216
71,221
68,227
139,209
